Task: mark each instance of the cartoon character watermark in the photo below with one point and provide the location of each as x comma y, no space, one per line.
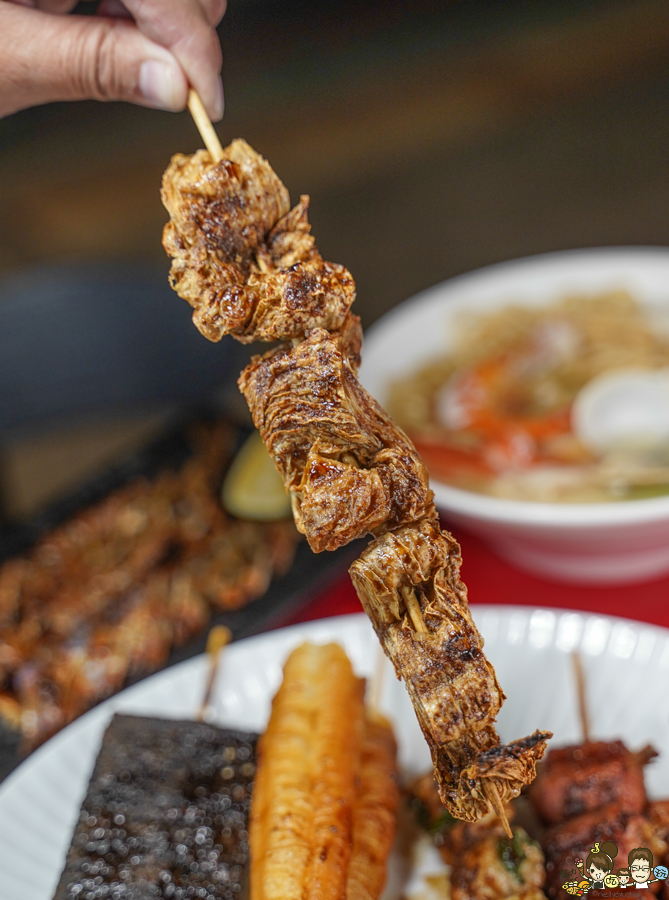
598,865
641,868
624,877
597,874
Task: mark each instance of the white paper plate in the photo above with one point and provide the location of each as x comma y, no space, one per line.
626,666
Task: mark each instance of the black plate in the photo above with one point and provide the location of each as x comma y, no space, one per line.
284,598
100,339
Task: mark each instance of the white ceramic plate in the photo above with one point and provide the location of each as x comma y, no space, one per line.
626,666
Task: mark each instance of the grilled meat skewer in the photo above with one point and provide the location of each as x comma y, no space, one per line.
250,268
585,777
349,470
243,260
107,594
420,564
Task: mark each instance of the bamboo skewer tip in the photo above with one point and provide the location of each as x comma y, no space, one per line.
218,638
495,802
414,610
579,677
375,685
204,126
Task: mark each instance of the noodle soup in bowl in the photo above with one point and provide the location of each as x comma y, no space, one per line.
593,535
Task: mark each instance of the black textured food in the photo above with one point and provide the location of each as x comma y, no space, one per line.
165,816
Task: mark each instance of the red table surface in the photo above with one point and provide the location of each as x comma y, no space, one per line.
491,580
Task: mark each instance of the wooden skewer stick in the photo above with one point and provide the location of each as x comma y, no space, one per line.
580,695
219,637
494,801
414,610
375,684
204,126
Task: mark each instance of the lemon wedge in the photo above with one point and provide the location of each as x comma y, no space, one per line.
253,488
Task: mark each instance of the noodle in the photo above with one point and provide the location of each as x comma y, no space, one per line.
493,415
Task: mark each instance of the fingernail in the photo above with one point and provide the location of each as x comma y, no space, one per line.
219,100
157,84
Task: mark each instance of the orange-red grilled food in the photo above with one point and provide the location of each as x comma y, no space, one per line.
106,595
325,795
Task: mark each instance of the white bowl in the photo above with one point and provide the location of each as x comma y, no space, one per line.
597,543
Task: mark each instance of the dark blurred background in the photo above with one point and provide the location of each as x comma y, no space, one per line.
433,138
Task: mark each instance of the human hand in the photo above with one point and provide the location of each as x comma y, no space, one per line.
145,51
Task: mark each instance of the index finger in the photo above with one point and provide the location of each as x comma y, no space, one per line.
186,28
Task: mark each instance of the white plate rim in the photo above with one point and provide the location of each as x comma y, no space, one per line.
335,628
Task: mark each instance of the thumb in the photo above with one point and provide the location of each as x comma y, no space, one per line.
45,58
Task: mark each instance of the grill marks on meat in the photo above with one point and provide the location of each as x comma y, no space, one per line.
421,564
582,778
107,594
224,209
244,261
595,792
349,470
485,863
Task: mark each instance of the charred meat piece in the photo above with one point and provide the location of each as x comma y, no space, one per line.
107,594
572,840
498,867
430,812
486,864
350,340
658,816
244,261
225,208
166,813
452,836
575,780
411,577
349,470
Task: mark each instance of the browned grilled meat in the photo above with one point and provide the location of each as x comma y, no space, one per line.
486,864
658,816
349,470
500,868
243,260
577,779
107,594
452,685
